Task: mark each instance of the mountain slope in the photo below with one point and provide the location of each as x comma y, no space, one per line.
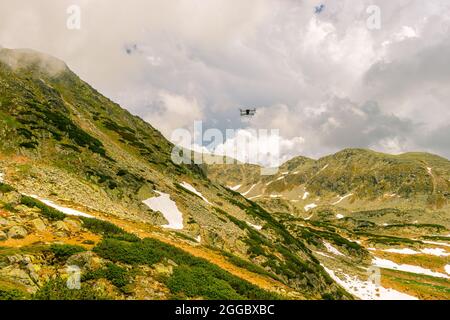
353,179
395,207
65,144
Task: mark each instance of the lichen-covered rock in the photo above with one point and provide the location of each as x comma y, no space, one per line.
72,224
85,260
163,269
61,225
17,232
11,197
3,222
39,224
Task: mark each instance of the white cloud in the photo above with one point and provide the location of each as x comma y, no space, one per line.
308,75
171,111
252,146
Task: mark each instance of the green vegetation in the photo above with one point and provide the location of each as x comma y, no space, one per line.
387,240
56,289
107,229
188,279
117,275
249,266
48,212
5,188
11,294
436,238
64,251
193,281
290,266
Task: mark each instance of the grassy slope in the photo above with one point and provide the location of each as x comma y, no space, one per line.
65,140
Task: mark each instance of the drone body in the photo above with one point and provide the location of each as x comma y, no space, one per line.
247,112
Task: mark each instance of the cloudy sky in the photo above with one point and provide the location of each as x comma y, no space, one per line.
327,80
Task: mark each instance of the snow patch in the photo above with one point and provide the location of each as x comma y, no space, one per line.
436,243
392,195
254,226
324,254
258,196
326,166
430,170
235,187
342,198
310,206
281,178
367,290
276,196
198,239
402,251
387,264
436,252
168,208
65,210
439,252
447,268
305,195
192,189
340,216
249,190
332,249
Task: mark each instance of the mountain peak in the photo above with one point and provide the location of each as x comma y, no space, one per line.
18,59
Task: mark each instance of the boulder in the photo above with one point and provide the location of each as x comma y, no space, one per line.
163,269
11,197
73,224
17,232
3,222
38,224
61,225
85,260
32,271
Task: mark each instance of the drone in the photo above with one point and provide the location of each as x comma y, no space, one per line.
247,112
319,9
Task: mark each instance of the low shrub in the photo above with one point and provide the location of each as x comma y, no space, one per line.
49,212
